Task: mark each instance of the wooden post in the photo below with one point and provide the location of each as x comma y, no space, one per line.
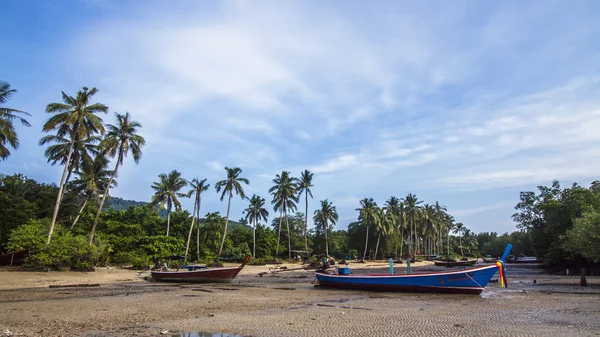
12,258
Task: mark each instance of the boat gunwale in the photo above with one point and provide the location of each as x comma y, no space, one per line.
411,275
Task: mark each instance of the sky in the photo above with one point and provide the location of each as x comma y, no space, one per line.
462,102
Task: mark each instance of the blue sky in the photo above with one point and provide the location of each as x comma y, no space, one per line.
464,102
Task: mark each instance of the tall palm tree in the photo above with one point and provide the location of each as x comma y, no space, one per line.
458,230
120,140
412,212
384,225
167,192
441,215
198,186
367,216
256,212
8,135
305,184
92,179
394,208
285,198
326,215
229,186
77,119
83,149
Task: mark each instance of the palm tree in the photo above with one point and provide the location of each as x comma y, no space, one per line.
7,116
327,214
285,198
255,213
198,186
441,215
384,225
92,180
229,186
119,141
367,215
412,212
77,119
458,229
167,192
394,208
305,185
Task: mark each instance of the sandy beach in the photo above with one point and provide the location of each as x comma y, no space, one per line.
287,304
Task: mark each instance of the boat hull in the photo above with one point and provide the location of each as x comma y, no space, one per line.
470,281
221,275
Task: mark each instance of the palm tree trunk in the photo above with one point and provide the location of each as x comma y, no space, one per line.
60,191
326,243
187,245
401,239
287,224
278,234
226,223
377,245
80,211
112,177
199,201
306,226
169,216
460,242
254,238
366,243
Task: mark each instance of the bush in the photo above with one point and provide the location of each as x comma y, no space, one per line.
237,253
65,249
160,246
137,258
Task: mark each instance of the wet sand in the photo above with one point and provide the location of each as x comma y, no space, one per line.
288,305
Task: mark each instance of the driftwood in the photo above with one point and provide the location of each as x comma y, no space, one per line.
200,289
73,285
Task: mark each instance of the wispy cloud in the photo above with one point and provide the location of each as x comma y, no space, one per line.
376,100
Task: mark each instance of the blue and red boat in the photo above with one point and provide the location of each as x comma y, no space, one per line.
468,281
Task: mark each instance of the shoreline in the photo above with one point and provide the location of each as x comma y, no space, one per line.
286,304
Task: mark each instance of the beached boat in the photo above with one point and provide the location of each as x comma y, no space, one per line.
468,281
212,275
455,263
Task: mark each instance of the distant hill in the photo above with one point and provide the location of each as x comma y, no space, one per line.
120,204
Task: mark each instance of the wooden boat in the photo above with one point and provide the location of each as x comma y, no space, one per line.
214,275
454,263
469,281
489,259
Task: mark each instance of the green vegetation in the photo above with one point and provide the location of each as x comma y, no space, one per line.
8,135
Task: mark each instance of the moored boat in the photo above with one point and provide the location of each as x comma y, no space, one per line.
212,275
454,263
468,281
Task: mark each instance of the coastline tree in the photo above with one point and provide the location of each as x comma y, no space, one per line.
77,119
458,230
367,215
167,192
326,215
256,212
412,212
384,225
229,186
285,198
305,184
198,186
8,135
120,139
394,208
91,180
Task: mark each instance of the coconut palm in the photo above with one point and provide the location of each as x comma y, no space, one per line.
394,208
441,215
120,140
58,152
386,221
77,119
326,215
305,185
458,230
256,212
198,186
92,180
167,193
412,212
8,135
367,216
285,198
229,186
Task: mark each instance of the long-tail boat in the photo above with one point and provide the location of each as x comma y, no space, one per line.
212,275
468,281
